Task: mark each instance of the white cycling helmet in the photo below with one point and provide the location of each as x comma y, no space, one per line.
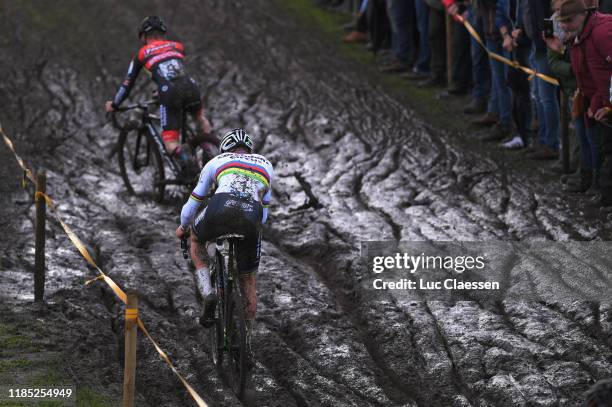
236,138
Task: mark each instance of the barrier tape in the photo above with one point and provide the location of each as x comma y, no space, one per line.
26,171
131,314
513,64
164,356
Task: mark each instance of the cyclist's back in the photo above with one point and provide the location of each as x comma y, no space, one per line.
240,202
178,92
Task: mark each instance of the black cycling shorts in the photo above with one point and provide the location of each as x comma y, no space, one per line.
227,213
175,97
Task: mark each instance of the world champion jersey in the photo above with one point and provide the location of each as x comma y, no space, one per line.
242,175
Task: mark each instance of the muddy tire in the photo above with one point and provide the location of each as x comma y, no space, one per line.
141,165
216,335
238,344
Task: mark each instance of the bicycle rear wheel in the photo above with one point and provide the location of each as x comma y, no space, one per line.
236,332
141,165
216,334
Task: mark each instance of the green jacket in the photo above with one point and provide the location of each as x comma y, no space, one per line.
561,67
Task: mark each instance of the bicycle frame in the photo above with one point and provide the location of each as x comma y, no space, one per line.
147,125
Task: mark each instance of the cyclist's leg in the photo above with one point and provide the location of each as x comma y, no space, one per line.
203,125
170,128
192,101
198,240
248,253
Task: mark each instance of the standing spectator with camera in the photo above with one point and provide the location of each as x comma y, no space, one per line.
591,56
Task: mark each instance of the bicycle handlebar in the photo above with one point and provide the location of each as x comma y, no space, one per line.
144,105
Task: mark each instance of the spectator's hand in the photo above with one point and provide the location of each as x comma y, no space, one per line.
453,10
601,113
554,44
109,106
508,43
516,33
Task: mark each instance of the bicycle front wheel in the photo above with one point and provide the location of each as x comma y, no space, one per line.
141,165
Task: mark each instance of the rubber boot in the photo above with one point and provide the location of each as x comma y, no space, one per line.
583,183
594,189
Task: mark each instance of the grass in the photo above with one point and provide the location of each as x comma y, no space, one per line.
26,363
423,101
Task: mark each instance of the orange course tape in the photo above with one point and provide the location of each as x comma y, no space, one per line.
504,60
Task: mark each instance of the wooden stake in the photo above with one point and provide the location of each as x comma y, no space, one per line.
131,330
39,251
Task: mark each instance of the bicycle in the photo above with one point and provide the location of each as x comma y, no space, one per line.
142,157
228,334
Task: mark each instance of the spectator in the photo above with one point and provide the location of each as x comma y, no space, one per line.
591,56
421,69
547,104
495,16
481,71
378,24
560,65
360,33
461,70
437,44
402,16
518,80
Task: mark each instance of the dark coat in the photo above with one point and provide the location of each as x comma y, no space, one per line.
534,13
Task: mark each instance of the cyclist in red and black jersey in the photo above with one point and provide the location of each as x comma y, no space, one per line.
178,92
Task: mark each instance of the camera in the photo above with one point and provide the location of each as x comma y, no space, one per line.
549,30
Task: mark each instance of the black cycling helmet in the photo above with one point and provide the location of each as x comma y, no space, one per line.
236,138
151,23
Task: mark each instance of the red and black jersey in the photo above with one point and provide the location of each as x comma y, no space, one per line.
163,58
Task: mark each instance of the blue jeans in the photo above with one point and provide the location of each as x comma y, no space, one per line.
589,141
399,12
423,57
546,103
501,98
481,73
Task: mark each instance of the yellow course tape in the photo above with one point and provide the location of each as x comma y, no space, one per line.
131,314
164,356
25,169
504,60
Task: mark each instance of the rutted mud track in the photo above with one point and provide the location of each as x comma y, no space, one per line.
378,172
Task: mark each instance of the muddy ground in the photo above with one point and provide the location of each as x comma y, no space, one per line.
379,172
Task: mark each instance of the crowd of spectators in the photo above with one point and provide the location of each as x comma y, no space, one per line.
567,40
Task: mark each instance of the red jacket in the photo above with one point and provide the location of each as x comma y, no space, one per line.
592,60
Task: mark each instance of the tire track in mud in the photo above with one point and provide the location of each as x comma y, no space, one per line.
322,336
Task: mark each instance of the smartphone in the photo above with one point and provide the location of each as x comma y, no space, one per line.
549,29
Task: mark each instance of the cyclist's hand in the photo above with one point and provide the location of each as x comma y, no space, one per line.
109,106
181,233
